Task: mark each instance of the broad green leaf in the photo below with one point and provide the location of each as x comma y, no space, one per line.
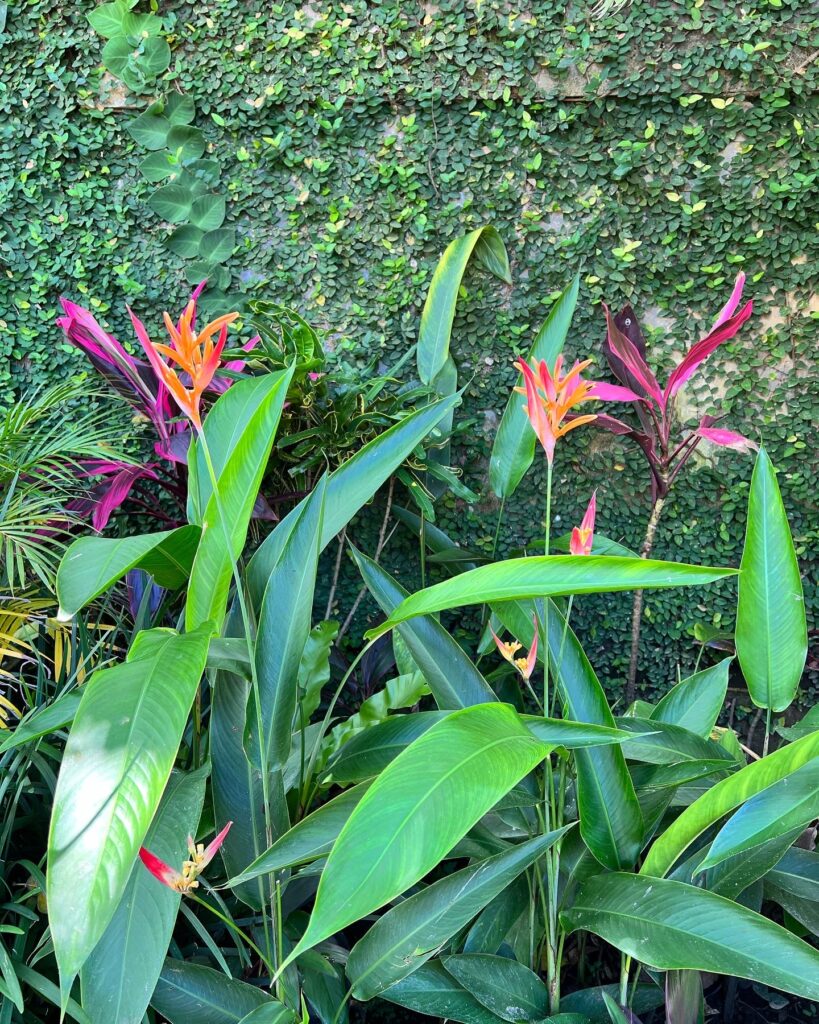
661,743
601,545
111,20
417,809
239,458
10,980
695,703
549,575
150,129
559,732
217,246
114,770
120,975
790,803
611,822
350,487
49,991
192,994
731,877
236,784
514,447
185,143
771,630
185,240
270,1013
794,885
92,564
208,212
454,680
314,668
180,109
368,753
431,990
439,309
397,694
307,840
43,720
498,917
284,626
156,167
725,797
438,474
171,202
673,926
615,1010
591,1001
410,933
507,988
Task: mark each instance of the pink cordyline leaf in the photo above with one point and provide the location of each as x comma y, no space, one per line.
633,361
730,306
699,352
726,438
116,490
614,393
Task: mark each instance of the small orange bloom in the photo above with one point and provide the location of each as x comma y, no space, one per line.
550,397
509,649
187,879
583,536
195,353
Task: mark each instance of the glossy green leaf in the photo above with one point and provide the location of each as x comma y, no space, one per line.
725,797
454,680
673,926
541,576
208,212
660,743
790,803
431,990
191,994
731,877
11,984
794,885
270,1013
559,732
507,988
120,975
486,245
601,545
43,720
591,1001
695,703
240,431
114,770
771,630
514,447
172,203
284,626
368,753
93,564
310,838
434,792
410,933
350,487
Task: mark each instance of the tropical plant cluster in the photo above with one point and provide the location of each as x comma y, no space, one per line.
655,149
243,819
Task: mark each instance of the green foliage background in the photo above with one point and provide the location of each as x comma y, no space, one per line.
357,139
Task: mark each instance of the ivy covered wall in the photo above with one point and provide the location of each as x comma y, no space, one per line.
655,146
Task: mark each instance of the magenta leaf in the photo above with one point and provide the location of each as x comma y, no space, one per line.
635,365
702,350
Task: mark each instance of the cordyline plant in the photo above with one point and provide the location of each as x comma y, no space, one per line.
666,444
456,859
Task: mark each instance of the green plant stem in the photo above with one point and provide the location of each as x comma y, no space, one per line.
234,927
625,965
246,623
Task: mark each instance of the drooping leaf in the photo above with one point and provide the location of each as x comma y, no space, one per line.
724,797
507,988
193,994
439,309
673,926
514,447
409,934
660,743
731,877
434,791
92,564
120,975
791,803
541,576
368,753
240,431
695,703
308,839
350,487
454,680
771,630
114,770
432,991
43,720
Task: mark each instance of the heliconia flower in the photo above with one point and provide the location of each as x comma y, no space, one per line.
195,353
583,536
551,397
187,879
509,649
639,383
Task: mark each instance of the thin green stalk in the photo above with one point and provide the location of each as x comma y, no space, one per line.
246,622
422,539
234,927
625,965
